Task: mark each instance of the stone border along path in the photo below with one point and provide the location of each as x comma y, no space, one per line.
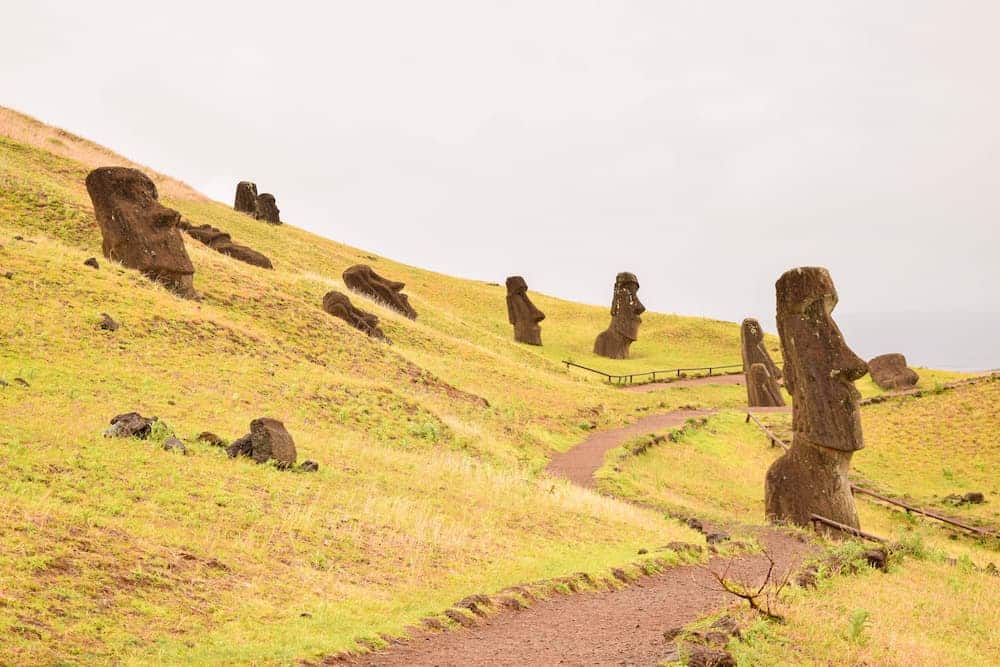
620,627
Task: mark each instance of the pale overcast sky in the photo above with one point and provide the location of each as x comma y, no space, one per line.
705,146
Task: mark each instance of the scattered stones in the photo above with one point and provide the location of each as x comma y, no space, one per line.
705,656
270,440
106,323
309,466
626,308
673,633
221,242
820,370
173,444
808,577
130,425
877,558
267,209
889,371
211,439
619,574
362,278
458,617
18,237
246,198
91,262
970,498
642,552
522,313
716,537
728,625
510,602
339,305
762,382
684,547
9,275
138,230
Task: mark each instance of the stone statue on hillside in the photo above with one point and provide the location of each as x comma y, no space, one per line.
337,304
221,242
762,383
138,230
246,198
625,311
522,313
267,209
891,372
362,279
820,371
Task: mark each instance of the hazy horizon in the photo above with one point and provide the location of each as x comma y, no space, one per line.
706,148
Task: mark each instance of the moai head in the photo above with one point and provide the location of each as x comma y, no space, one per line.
137,229
626,307
754,352
891,372
820,370
522,313
337,304
246,197
267,209
362,279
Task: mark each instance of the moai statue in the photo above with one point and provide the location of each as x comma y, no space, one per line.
339,305
522,313
625,311
820,371
891,372
138,230
267,209
246,198
762,383
362,279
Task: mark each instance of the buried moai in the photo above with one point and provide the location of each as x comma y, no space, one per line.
522,313
221,242
889,371
362,279
138,230
339,305
626,308
267,209
820,370
246,198
760,372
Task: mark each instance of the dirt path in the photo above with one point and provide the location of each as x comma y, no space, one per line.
622,627
690,382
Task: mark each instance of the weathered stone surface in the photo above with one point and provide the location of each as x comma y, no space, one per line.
309,466
106,323
91,262
210,438
240,447
130,425
891,372
339,305
762,387
221,242
706,656
137,229
626,308
362,278
267,209
174,444
246,198
820,371
522,313
270,440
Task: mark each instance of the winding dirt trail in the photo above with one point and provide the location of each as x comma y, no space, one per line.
621,627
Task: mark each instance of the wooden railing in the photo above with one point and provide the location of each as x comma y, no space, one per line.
629,378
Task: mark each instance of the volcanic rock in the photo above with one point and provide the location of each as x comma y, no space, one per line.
362,278
246,198
891,372
91,262
130,425
107,324
270,440
267,209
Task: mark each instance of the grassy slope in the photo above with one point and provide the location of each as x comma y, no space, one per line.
118,550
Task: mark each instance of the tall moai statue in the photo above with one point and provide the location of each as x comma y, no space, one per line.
762,382
626,308
246,198
522,313
266,209
820,371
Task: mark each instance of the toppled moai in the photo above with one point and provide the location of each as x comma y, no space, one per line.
267,209
221,242
138,230
820,371
626,308
889,371
522,313
339,305
246,198
362,279
762,383
268,440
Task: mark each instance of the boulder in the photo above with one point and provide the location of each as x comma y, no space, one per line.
240,447
270,440
246,198
614,342
522,313
91,262
267,209
138,230
130,425
889,371
211,439
362,278
339,305
309,466
173,444
106,323
706,656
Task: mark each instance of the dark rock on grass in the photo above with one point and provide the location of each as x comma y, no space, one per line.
970,498
695,524
717,537
807,578
270,440
22,382
510,602
728,625
106,323
889,371
4,383
462,619
173,444
91,262
877,558
211,439
672,634
684,547
309,466
130,425
704,656
716,638
9,275
475,603
240,447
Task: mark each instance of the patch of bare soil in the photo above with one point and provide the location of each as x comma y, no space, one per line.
688,382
